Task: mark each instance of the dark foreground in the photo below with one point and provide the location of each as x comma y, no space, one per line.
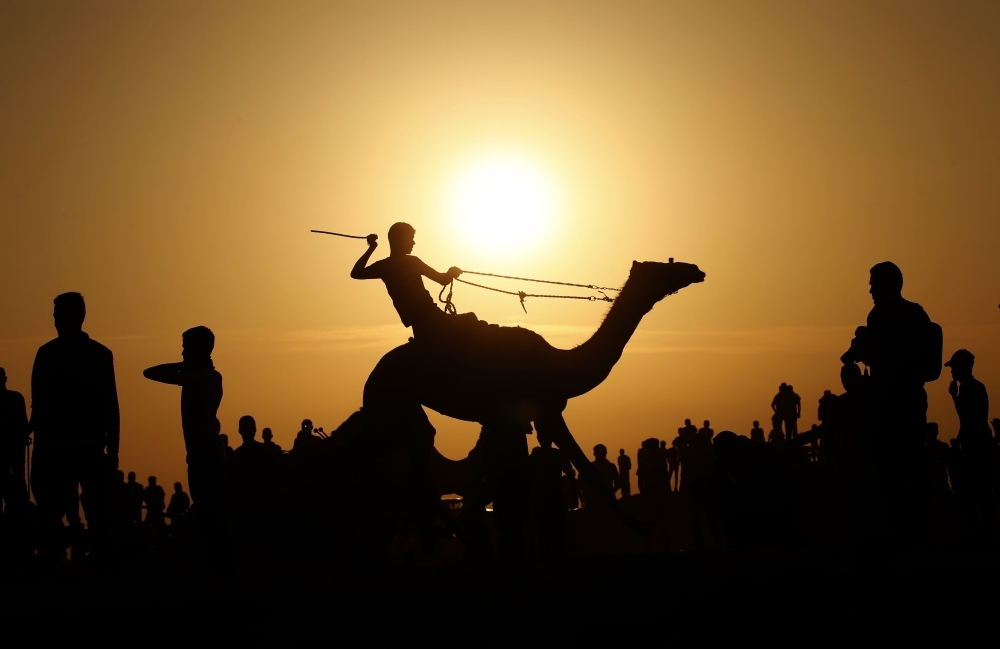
928,594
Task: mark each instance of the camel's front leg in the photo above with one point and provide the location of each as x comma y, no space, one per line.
553,425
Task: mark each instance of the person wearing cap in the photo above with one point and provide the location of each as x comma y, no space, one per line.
901,347
975,443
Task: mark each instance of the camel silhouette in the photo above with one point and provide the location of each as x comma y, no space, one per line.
506,378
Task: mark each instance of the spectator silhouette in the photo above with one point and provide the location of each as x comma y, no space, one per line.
227,450
609,476
14,432
201,394
155,500
787,407
625,473
757,433
74,413
975,443
179,505
269,443
548,468
902,348
305,439
134,492
776,437
937,455
825,404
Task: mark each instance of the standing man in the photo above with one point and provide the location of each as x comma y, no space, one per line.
201,394
74,413
14,431
975,443
625,472
793,413
902,348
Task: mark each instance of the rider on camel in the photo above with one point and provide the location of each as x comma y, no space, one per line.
402,274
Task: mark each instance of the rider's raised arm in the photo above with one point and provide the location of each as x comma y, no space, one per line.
441,278
361,269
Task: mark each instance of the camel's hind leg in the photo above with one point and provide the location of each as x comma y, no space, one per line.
552,424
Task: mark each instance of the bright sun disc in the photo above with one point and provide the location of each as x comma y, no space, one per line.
502,206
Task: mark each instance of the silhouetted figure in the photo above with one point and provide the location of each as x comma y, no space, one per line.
975,443
74,413
937,455
649,472
902,348
402,274
609,477
179,505
134,491
269,443
674,466
549,466
757,433
625,473
201,394
155,500
686,437
825,404
305,439
787,407
776,437
14,432
227,450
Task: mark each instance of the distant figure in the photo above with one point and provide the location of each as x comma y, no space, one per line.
402,274
825,404
975,443
248,432
269,443
674,466
787,407
706,432
14,432
757,433
305,439
201,394
74,413
902,348
609,476
625,473
549,467
937,455
134,492
155,500
227,450
179,504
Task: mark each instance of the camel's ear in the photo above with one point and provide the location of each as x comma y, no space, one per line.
634,264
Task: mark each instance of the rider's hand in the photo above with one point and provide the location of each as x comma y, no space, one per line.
454,272
373,240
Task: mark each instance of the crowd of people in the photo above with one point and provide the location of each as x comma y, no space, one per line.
872,442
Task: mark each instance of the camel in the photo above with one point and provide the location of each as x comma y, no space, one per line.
507,378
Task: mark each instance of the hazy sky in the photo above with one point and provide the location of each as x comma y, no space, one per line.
168,159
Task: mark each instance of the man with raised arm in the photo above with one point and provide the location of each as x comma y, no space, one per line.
402,274
201,394
74,413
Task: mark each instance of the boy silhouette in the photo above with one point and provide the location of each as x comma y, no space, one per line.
402,274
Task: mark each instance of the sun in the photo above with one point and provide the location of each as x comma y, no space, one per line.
503,205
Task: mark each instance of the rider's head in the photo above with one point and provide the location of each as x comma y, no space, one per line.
886,282
401,238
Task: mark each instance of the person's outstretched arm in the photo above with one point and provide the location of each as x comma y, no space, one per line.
172,373
441,278
361,270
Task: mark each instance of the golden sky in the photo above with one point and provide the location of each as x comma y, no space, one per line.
168,159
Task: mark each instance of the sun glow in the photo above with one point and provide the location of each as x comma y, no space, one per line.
503,206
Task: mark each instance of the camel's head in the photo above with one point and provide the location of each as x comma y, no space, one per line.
661,279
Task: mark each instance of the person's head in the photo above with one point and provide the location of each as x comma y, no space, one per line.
224,440
198,343
152,481
756,424
120,475
707,423
827,393
401,238
307,425
621,451
131,476
932,431
886,282
961,365
68,313
3,378
687,422
850,377
600,452
663,444
782,387
247,428
543,438
178,489
266,434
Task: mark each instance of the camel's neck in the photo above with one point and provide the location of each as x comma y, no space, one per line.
586,366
